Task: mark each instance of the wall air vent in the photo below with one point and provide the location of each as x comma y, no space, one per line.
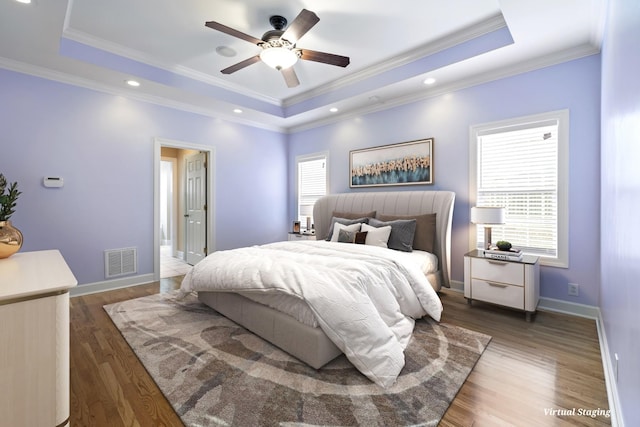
120,262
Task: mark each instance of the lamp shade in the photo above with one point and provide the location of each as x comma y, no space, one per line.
306,210
487,215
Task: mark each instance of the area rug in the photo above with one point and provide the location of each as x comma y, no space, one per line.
214,372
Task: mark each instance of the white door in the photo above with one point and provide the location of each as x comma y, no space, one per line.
196,208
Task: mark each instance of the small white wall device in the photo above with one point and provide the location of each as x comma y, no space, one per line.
53,181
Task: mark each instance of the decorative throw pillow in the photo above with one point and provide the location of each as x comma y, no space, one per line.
402,233
377,236
358,237
425,235
361,238
344,221
349,228
345,236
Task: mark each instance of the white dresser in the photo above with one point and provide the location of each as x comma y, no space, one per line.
514,284
34,339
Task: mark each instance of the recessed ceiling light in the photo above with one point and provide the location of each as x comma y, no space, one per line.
333,110
237,111
429,81
133,83
24,1
225,51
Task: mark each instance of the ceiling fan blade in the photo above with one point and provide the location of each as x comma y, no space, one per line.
299,27
290,77
326,58
230,31
241,65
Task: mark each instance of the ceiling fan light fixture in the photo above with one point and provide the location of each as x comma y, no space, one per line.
279,58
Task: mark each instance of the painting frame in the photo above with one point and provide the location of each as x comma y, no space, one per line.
405,163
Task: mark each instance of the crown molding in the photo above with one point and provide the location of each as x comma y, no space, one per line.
519,68
493,23
61,77
497,74
132,54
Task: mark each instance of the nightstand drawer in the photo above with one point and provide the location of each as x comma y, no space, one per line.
498,293
296,236
498,271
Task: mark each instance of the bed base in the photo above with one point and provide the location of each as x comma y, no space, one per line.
304,342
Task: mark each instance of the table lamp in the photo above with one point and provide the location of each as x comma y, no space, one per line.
487,216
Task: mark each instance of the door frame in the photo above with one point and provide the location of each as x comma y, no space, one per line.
210,215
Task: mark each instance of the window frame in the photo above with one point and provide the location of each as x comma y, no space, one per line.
562,117
305,158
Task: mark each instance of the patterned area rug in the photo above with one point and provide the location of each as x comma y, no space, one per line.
215,372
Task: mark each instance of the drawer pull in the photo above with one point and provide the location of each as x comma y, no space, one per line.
498,262
497,285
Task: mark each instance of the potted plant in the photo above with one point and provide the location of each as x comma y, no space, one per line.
503,245
10,237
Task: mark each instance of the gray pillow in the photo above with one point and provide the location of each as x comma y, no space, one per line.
425,229
402,233
343,221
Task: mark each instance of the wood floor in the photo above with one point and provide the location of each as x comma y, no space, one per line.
530,374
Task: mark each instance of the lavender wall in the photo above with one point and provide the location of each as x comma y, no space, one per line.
620,249
102,145
574,85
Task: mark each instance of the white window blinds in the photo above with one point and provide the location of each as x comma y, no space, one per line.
312,184
518,170
520,166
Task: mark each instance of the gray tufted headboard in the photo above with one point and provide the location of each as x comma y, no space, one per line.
396,203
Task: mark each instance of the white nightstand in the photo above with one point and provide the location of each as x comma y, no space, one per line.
301,236
514,284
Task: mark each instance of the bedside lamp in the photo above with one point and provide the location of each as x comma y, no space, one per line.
307,211
487,216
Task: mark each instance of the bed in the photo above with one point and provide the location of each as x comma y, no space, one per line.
317,322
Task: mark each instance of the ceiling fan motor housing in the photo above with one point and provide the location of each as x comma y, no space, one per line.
278,23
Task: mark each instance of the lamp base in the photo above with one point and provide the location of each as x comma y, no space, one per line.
487,237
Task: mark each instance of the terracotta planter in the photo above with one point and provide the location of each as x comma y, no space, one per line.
10,239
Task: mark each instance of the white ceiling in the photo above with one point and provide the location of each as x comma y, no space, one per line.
393,47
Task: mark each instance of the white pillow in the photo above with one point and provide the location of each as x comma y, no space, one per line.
377,236
337,227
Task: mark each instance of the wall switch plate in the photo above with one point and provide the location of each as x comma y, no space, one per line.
574,289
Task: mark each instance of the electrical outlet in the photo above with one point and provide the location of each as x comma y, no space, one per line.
574,289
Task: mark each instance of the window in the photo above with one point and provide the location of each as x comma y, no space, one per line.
312,184
522,165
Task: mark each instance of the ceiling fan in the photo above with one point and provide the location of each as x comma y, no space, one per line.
279,49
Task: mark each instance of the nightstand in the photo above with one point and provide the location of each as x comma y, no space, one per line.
301,236
514,284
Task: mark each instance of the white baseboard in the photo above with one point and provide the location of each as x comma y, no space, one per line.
609,375
566,307
109,285
456,285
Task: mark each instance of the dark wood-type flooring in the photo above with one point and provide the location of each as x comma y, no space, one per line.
528,371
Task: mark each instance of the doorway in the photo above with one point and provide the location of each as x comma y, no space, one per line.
183,214
172,258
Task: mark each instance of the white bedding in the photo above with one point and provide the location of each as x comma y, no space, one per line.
299,310
364,297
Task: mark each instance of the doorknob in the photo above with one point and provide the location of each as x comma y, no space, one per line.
186,215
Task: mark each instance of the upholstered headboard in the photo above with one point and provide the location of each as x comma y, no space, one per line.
396,203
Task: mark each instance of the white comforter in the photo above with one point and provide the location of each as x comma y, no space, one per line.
364,297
